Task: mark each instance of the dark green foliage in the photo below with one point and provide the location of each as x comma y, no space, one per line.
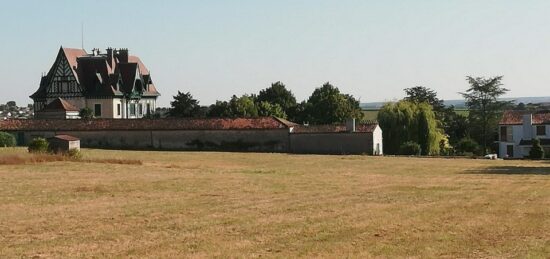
454,125
467,145
410,148
219,110
38,145
86,113
184,106
485,108
327,105
406,121
536,152
7,140
277,94
421,94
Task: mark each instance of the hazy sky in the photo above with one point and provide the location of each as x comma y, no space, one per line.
371,49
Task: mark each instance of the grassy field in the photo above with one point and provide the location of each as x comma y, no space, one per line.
195,204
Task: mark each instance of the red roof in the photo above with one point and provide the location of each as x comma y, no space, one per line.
66,137
363,128
59,104
72,55
144,124
516,117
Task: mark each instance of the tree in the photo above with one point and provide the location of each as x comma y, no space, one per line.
405,121
278,94
243,106
220,110
421,94
327,105
485,108
86,113
184,106
268,109
536,152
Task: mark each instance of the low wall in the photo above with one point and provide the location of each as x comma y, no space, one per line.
271,140
332,143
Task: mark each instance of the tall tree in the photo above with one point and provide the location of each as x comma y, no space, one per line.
268,109
485,108
406,121
278,94
184,106
327,105
243,106
420,94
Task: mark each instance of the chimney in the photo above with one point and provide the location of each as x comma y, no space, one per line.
110,56
528,126
350,125
123,55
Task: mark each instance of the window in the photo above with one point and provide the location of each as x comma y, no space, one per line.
133,109
97,110
149,108
541,130
140,109
503,133
510,150
118,109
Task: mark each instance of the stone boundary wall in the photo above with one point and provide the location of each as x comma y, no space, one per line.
332,143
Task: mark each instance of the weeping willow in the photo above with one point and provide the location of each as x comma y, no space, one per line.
407,121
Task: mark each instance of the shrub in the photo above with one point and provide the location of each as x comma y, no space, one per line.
86,113
410,148
467,145
536,152
74,153
7,140
38,145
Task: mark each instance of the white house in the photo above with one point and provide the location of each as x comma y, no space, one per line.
517,129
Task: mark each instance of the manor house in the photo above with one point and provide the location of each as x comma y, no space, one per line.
112,84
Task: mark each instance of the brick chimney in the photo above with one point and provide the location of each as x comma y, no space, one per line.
123,55
110,56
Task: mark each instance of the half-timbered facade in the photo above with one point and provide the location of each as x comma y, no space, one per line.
112,84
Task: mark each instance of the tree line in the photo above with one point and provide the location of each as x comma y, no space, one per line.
326,105
421,124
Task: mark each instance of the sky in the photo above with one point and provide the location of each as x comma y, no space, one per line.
214,48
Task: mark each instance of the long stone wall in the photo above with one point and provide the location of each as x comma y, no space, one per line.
270,140
332,143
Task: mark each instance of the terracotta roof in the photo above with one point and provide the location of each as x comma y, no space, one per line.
516,117
363,128
65,137
59,104
143,124
72,55
142,68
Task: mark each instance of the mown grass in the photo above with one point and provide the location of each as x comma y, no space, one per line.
193,204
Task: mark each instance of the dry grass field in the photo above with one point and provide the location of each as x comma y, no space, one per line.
192,204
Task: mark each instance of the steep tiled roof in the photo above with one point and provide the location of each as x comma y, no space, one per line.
368,128
59,104
144,124
72,55
516,117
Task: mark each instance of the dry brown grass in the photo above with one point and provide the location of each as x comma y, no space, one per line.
34,158
195,204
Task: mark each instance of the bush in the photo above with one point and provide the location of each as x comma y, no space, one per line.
536,152
7,140
38,145
410,148
467,145
74,153
86,113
